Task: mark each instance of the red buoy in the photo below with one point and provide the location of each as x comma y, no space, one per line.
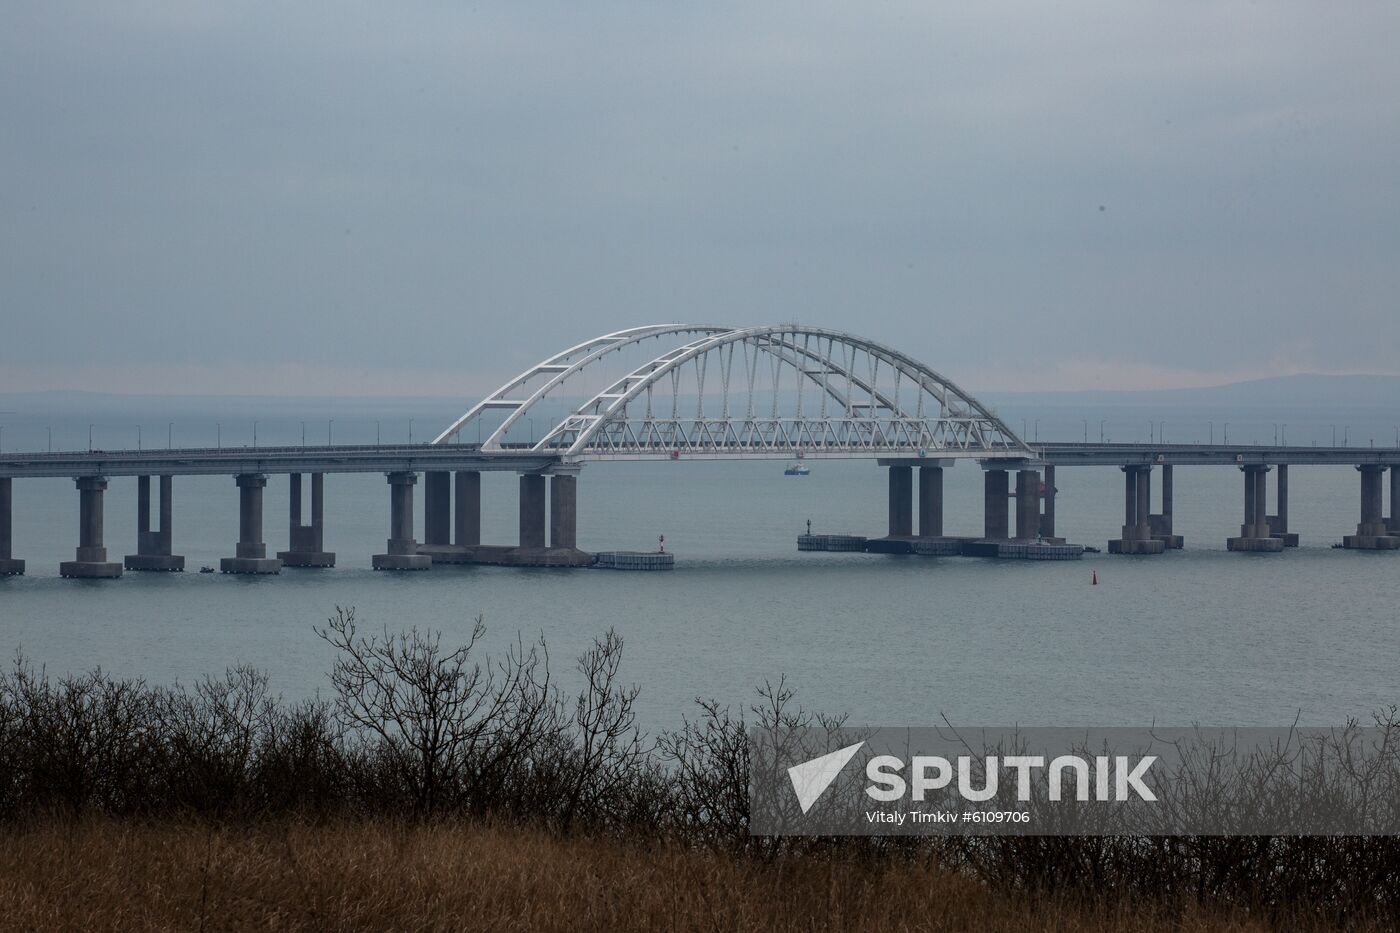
1095,581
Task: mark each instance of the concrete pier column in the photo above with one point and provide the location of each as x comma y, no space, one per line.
252,551
1162,522
9,567
153,548
1130,503
307,542
1372,506
995,494
1393,523
467,509
901,501
1027,504
1251,491
402,547
1047,508
930,502
532,509
1137,518
1255,534
1278,523
1144,504
563,511
1373,532
91,558
437,507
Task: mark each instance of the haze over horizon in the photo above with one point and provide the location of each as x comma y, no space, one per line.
422,200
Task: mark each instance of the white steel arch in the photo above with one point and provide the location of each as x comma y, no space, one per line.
870,400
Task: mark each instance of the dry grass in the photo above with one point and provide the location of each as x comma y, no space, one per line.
107,874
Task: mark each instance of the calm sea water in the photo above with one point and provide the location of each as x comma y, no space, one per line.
1199,635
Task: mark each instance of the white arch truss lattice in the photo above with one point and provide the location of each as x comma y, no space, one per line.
779,391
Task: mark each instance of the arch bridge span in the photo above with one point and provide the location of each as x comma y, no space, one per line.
779,391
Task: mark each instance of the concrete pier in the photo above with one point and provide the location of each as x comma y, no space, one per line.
1373,531
467,509
532,510
1394,523
91,558
1137,522
563,511
153,549
930,501
402,548
996,491
1162,522
437,507
9,567
901,502
306,543
251,555
1255,534
1278,524
1027,505
1047,506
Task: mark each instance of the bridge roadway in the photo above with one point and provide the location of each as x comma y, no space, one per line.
1015,515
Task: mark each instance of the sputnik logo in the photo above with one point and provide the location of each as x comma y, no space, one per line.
810,779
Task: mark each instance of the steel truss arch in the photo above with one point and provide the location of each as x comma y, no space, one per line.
857,414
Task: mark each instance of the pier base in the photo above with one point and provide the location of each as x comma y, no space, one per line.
1256,545
401,562
250,565
90,569
506,555
1136,547
170,563
636,560
1371,542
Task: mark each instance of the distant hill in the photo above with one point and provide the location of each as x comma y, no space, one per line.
1305,389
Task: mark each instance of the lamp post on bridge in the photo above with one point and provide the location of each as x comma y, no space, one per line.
138,437
329,422
303,434
255,435
376,434
89,438
1037,430
1086,429
410,430
218,435
1101,421
169,435
1212,432
1225,434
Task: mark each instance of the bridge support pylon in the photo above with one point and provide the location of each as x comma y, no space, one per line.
153,548
1278,524
251,556
402,553
306,542
91,558
996,493
9,567
1137,514
1373,531
1162,522
1255,532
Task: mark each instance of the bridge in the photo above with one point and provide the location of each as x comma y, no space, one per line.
667,392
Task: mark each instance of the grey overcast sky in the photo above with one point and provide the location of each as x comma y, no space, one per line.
422,198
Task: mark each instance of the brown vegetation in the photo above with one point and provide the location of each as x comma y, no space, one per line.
104,874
